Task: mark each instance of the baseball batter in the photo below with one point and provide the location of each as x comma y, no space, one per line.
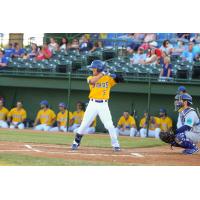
100,85
187,134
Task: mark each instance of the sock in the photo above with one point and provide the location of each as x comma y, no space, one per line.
78,138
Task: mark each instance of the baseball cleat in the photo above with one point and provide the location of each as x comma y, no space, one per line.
74,146
190,151
116,149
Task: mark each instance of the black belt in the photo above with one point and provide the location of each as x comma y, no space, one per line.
99,101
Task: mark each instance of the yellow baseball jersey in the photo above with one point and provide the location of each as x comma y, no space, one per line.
46,116
62,117
126,123
17,115
78,116
101,89
165,124
152,126
3,113
94,123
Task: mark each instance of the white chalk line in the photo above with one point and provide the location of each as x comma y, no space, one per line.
31,148
86,154
12,150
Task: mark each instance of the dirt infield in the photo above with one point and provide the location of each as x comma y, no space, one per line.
138,156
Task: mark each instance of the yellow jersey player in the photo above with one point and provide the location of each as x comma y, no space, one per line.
45,117
3,115
17,116
154,126
126,125
62,118
77,116
100,85
165,121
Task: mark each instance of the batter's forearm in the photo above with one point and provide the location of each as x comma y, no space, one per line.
95,78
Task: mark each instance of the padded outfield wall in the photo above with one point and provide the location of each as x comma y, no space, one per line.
131,95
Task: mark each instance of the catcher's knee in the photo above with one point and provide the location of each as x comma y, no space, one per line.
180,137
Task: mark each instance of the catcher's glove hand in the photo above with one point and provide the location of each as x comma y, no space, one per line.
169,137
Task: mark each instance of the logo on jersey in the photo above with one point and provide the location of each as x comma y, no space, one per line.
189,121
101,85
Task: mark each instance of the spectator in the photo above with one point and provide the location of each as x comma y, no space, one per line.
97,46
189,55
154,45
161,60
167,47
3,115
62,118
53,45
18,52
184,35
151,57
45,117
138,36
179,48
44,53
166,71
85,45
75,44
165,121
126,125
77,116
149,37
139,57
64,44
3,60
132,47
154,126
34,51
9,51
17,116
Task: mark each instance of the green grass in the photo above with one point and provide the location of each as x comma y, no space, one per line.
14,159
89,140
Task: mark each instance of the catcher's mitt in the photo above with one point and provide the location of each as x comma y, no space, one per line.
169,137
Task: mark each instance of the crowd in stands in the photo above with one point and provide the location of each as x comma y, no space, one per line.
142,48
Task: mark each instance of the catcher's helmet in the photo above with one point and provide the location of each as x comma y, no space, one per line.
182,97
98,64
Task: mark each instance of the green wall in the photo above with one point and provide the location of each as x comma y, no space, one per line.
126,96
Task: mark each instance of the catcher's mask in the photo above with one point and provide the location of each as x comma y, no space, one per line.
179,101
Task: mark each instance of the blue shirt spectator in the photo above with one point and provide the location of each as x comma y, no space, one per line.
166,71
9,51
3,60
86,45
189,55
139,57
18,52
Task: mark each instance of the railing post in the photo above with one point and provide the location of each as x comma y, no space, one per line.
149,104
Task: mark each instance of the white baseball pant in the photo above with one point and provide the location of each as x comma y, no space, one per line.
194,136
73,127
19,126
3,124
42,127
152,133
56,129
128,132
93,109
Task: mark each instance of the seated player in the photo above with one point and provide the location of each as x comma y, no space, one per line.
17,116
187,134
89,130
126,125
77,116
165,121
62,119
154,126
3,115
45,117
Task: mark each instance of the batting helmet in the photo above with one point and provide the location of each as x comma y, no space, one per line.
44,102
98,64
181,89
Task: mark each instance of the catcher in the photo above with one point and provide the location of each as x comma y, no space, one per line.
187,134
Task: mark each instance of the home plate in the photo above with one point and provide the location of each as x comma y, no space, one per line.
137,155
